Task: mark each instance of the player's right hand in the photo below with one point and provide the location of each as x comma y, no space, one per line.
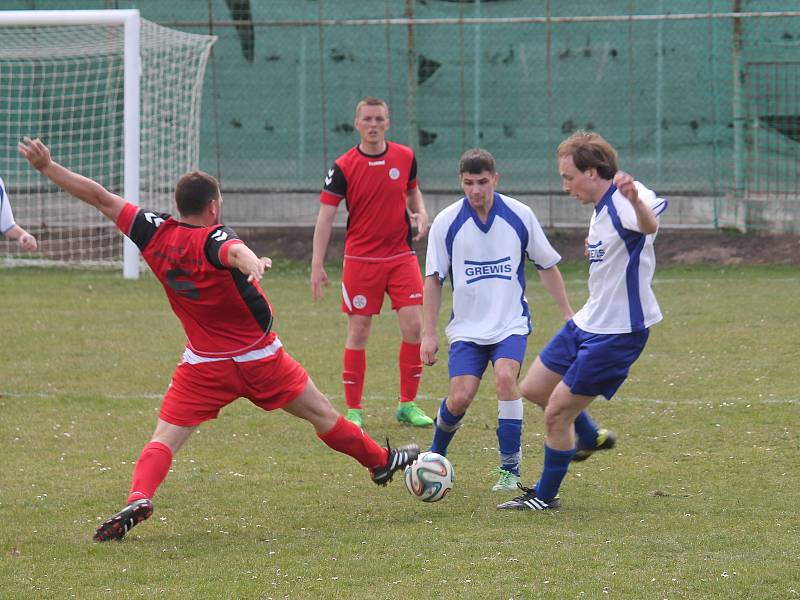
35,152
319,281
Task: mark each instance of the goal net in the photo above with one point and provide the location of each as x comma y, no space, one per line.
66,85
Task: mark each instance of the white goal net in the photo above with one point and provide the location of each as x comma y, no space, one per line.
65,84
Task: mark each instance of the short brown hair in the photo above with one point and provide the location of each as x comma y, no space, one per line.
194,191
372,101
590,151
476,160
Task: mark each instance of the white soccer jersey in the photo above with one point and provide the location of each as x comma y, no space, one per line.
6,216
486,266
622,262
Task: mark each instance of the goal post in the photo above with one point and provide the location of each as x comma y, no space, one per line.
117,98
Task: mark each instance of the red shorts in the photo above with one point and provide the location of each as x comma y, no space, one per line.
365,283
199,391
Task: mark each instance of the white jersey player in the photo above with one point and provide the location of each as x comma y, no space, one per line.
593,352
9,227
482,243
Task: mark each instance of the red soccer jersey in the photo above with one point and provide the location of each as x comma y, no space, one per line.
222,313
375,187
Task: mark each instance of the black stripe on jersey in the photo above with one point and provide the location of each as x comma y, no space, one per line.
144,227
216,239
254,299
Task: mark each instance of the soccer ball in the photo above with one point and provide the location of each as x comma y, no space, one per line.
430,477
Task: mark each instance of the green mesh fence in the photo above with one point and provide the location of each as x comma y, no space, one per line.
701,98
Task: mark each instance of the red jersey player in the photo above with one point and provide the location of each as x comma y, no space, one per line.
211,279
378,181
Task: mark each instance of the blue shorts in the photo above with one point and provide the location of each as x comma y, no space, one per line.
469,358
593,364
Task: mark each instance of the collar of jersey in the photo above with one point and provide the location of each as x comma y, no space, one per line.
484,227
362,153
605,199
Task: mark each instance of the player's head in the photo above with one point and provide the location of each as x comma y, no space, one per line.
195,192
587,164
372,120
476,161
478,178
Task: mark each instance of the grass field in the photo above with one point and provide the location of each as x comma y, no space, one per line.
699,500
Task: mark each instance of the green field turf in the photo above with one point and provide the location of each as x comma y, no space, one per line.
699,499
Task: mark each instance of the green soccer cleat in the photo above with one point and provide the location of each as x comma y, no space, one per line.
355,416
605,441
507,482
409,412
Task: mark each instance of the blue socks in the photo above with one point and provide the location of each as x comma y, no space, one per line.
586,430
446,426
509,434
556,463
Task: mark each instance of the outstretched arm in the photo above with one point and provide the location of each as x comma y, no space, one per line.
554,284
73,183
645,216
242,258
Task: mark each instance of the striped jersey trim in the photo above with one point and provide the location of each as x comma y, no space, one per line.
265,352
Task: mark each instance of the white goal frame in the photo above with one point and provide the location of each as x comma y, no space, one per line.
130,20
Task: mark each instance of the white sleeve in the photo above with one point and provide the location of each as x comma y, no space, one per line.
539,249
626,213
437,260
6,216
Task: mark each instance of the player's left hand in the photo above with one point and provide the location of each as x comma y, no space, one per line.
420,219
625,185
428,348
28,242
257,272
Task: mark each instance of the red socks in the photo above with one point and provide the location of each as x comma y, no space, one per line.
150,470
350,439
355,365
410,371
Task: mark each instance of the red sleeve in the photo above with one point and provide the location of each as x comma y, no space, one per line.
126,216
326,197
225,248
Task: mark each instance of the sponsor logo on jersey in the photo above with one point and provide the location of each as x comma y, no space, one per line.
359,301
494,269
394,173
415,295
596,252
376,163
329,178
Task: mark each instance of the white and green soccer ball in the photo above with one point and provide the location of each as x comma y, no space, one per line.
430,477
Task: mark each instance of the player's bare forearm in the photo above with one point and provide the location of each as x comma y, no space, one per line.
322,237
553,282
245,260
431,304
25,239
75,184
419,215
645,217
